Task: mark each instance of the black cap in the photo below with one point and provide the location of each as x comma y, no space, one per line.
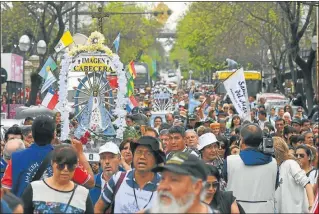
192,117
296,120
186,164
209,120
153,144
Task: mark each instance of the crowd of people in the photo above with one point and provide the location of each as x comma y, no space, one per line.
196,159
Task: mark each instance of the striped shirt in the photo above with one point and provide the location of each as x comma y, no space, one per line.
126,197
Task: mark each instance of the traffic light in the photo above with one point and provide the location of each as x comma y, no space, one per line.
162,12
4,75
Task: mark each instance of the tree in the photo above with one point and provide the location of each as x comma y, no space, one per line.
51,19
210,34
138,31
39,20
297,27
15,22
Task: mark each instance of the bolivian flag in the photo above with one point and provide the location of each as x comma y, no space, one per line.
130,84
131,69
64,42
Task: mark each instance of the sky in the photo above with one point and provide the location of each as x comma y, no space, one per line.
178,9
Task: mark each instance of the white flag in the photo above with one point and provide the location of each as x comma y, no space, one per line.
236,89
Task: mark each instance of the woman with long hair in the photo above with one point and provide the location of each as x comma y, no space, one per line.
126,155
288,109
221,201
289,196
58,194
235,122
305,157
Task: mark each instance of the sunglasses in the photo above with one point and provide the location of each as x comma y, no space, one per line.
222,146
215,185
148,115
70,167
299,155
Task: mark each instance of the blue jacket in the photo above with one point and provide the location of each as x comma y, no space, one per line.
3,167
96,191
25,164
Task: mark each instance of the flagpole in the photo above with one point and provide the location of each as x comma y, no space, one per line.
225,79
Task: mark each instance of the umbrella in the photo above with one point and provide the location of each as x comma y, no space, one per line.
34,111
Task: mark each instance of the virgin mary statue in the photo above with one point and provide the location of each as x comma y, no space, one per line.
95,117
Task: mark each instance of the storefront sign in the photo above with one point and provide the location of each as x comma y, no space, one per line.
13,64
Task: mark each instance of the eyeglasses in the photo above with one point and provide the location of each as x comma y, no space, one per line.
148,115
70,167
299,155
222,146
146,153
209,185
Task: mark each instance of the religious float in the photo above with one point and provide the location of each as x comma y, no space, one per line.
97,109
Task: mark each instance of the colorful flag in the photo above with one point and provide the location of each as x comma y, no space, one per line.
131,103
116,43
51,99
131,69
46,73
130,87
64,42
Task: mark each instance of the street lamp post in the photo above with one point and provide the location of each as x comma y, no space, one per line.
314,46
24,46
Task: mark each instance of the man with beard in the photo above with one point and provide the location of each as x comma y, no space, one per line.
134,190
182,187
110,159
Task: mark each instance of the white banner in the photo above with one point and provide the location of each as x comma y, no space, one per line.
236,89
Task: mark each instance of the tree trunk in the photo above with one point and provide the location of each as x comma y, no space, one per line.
293,72
309,91
279,80
35,84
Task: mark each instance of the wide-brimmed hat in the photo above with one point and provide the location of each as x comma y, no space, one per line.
205,140
153,144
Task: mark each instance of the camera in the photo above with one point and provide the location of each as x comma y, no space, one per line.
267,146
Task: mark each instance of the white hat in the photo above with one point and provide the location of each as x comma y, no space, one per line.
206,139
109,147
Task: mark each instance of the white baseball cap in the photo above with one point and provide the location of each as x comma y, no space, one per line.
109,147
206,139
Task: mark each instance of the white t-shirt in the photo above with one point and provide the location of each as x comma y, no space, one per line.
313,175
290,195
